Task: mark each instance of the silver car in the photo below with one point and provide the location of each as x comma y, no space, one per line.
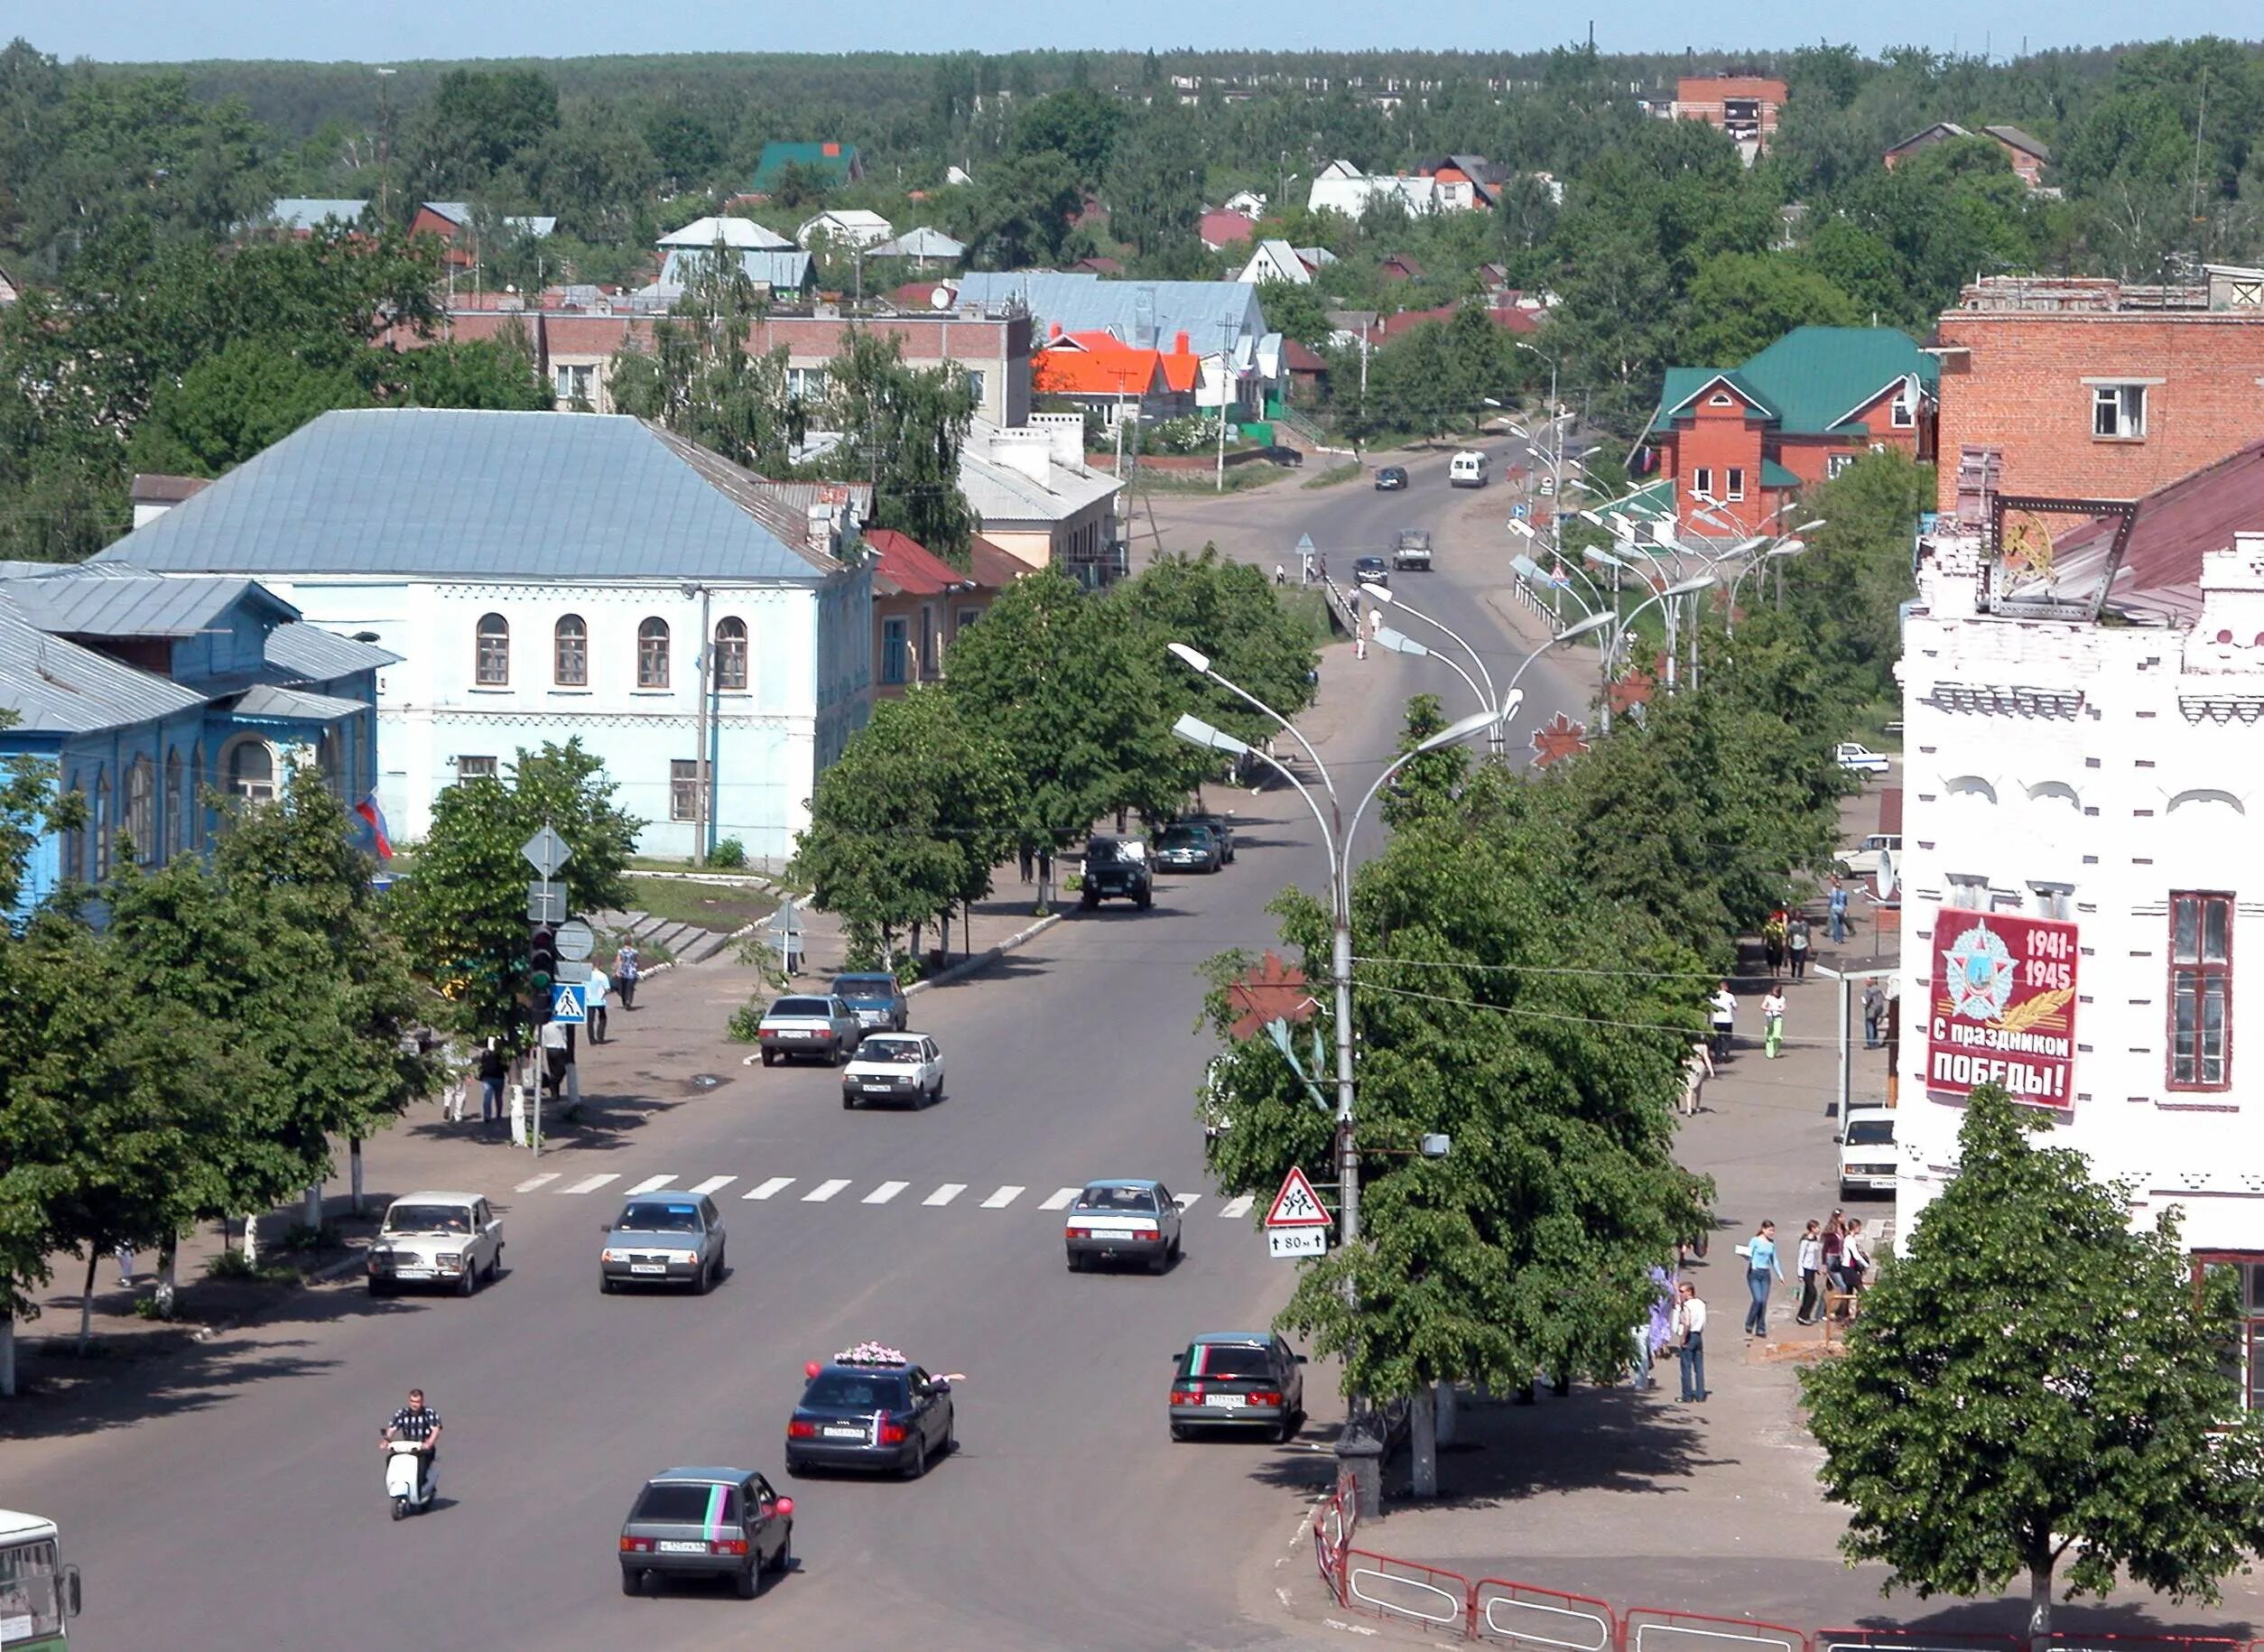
453,1240
1236,1380
1120,1221
825,1028
664,1239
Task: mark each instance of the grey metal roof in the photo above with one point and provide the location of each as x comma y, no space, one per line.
789,268
733,232
57,687
921,243
304,212
435,492
1144,314
309,654
117,600
264,699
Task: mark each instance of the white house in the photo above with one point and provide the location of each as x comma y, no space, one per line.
1250,203
1341,187
1034,497
1279,261
2077,850
846,227
738,234
549,576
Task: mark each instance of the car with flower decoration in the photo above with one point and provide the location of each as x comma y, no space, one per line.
871,1408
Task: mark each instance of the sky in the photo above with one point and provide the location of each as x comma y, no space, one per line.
395,30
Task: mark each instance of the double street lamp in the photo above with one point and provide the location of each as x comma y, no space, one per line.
1336,839
1498,704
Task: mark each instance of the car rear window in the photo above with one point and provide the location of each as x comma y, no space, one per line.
688,1503
855,1391
1138,1200
801,1007
660,1219
1225,1359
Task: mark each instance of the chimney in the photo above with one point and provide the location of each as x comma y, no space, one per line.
1179,344
1053,330
1027,451
154,494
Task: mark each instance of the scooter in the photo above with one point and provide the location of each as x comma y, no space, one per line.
402,1459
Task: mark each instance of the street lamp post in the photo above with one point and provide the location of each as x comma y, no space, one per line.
1791,547
1686,588
1336,835
1382,596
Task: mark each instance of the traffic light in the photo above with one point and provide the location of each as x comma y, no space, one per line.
542,957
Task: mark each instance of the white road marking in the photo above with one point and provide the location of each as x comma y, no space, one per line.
589,1185
1185,1201
776,1184
651,1185
1237,1207
1059,1198
715,1185
884,1192
945,1194
824,1191
532,1183
1004,1197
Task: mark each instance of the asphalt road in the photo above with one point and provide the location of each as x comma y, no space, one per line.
246,1506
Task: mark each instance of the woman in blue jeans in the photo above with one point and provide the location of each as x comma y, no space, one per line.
1690,1340
1760,1271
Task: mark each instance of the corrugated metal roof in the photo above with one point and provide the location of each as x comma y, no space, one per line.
999,493
264,699
789,268
743,232
2177,524
304,212
57,687
435,492
921,243
308,653
1147,312
117,600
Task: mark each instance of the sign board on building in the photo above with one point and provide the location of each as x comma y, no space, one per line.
2003,1006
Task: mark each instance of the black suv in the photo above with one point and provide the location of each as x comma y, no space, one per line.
1117,869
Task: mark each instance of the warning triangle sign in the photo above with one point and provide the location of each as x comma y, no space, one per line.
1297,1205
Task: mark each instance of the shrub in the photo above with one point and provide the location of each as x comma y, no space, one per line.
744,1022
730,854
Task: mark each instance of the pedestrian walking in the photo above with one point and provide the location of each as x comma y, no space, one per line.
1027,859
1874,1011
1773,1022
628,969
1796,945
492,1071
1830,1251
1855,1261
1761,1269
1808,1259
1773,944
1697,1068
460,1078
123,1252
1838,906
1724,1004
595,991
555,1050
1690,1340
1281,574
1656,1330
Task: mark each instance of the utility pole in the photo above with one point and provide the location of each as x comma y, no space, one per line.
384,143
1226,381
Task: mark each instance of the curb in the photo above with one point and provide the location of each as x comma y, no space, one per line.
988,957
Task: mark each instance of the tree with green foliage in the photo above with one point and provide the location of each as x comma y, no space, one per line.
1225,610
1431,781
1153,185
904,427
1077,124
1741,303
700,380
908,823
2035,1384
800,186
1016,215
463,916
475,124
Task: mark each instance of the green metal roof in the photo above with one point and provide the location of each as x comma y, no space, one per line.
1812,378
1652,499
836,168
1774,475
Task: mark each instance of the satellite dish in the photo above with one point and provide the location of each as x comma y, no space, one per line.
941,299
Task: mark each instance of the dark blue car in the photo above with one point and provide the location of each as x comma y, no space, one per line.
874,1414
875,998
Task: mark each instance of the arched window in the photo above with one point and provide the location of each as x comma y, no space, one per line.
730,654
104,823
569,652
140,809
252,771
492,665
176,821
651,653
197,781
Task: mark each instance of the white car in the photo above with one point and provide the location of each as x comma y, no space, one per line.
1866,1151
893,1067
1862,758
452,1239
1117,1220
1877,850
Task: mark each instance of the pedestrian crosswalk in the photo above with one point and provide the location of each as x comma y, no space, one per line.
825,1190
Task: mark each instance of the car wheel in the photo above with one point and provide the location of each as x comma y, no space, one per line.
747,1583
1179,1433
848,1100
703,1281
917,1464
1088,900
1285,1430
1146,901
951,1434
770,1058
1076,1263
607,1284
376,1289
1160,1263
1845,1192
632,1581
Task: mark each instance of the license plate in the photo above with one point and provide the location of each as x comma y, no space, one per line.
845,1434
884,1086
671,1547
412,1273
1223,1402
648,1268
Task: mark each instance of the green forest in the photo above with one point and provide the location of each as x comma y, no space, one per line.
1655,242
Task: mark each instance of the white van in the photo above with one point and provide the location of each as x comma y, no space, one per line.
1866,1139
1469,468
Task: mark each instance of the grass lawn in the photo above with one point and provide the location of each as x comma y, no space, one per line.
1310,608
1237,479
1350,471
721,907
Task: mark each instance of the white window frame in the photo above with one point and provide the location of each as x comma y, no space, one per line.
1701,483
476,768
1902,415
2118,412
1734,477
684,789
1835,465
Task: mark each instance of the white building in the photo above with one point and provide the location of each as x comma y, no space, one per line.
847,227
1034,497
1275,260
547,577
2077,846
1341,187
738,233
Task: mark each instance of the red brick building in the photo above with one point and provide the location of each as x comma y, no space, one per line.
921,604
1741,443
2089,389
1745,106
2026,155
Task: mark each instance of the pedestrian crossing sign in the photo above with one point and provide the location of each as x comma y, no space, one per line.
1297,1205
566,1005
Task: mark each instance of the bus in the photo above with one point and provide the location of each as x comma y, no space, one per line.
38,1596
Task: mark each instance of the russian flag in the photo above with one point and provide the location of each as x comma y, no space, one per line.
376,817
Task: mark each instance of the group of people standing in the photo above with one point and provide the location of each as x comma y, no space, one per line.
491,1065
1832,1260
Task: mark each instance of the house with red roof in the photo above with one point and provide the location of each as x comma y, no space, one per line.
1123,381
921,603
1220,228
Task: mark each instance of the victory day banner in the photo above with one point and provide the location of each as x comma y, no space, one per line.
2003,1009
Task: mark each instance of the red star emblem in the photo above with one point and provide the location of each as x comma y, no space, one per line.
1274,992
1558,739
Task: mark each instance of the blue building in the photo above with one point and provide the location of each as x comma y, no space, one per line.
148,693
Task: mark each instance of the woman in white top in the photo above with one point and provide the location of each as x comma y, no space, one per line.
1809,1258
1773,1023
1690,1340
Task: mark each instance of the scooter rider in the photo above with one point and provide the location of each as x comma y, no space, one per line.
419,1422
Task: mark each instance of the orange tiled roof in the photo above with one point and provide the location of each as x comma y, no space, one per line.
1092,363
